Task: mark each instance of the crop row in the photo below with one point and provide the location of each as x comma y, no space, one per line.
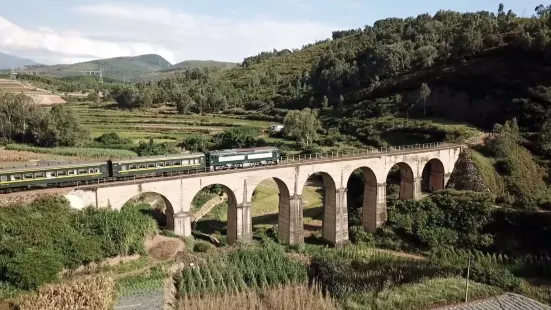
95,153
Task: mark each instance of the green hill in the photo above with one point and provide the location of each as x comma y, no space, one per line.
116,68
193,64
183,66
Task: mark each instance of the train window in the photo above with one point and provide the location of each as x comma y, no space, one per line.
151,165
168,163
123,168
61,173
141,166
3,178
160,165
71,172
27,176
39,175
185,162
16,177
82,171
131,167
177,163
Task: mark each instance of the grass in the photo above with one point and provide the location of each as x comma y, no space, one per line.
79,152
486,168
151,281
296,297
422,295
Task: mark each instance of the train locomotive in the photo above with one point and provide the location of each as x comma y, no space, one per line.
71,174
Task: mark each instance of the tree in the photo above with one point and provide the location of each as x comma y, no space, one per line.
544,138
58,127
424,93
325,102
93,96
16,110
302,125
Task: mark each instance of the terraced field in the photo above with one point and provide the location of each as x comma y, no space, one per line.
158,123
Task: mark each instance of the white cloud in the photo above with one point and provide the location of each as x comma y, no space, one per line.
109,30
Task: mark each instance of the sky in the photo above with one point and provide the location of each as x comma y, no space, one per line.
69,31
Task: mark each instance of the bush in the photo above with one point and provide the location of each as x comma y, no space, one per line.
32,267
47,235
202,246
360,236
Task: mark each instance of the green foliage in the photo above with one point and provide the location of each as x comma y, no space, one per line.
152,148
524,179
445,219
32,267
81,152
42,238
302,125
242,269
202,246
21,121
200,143
238,137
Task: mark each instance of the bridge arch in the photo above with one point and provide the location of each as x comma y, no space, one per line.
331,209
407,180
433,176
162,210
262,201
207,198
372,197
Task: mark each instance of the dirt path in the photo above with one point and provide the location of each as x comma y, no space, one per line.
208,206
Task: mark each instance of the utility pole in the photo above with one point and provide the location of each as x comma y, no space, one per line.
467,280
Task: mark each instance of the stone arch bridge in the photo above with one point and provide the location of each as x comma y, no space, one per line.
291,175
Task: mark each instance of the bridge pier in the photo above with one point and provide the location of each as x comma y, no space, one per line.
335,217
374,212
181,223
291,219
446,178
239,223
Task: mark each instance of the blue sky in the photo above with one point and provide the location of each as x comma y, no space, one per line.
65,31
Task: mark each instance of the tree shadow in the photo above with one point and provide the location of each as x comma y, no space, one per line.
210,226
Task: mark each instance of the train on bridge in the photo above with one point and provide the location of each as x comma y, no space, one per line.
71,174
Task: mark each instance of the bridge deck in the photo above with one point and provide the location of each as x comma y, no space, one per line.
290,161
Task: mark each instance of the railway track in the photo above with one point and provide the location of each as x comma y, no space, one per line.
289,161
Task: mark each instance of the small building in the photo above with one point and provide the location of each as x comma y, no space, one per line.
276,128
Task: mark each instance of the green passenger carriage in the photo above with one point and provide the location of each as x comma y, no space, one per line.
157,165
53,174
242,158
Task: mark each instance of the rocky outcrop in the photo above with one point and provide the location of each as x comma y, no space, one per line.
465,175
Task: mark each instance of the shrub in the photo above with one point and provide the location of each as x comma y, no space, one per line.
202,246
32,267
42,238
360,236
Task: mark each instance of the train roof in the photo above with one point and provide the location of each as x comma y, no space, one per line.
245,150
158,157
45,166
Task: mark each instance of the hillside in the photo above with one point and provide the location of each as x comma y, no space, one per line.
193,64
116,68
11,61
183,66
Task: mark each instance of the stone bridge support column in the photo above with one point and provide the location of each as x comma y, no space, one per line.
239,223
181,222
374,207
291,219
417,188
335,218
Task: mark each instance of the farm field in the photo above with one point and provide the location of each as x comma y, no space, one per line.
162,124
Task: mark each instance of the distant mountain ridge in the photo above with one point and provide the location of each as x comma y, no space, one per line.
11,61
146,67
